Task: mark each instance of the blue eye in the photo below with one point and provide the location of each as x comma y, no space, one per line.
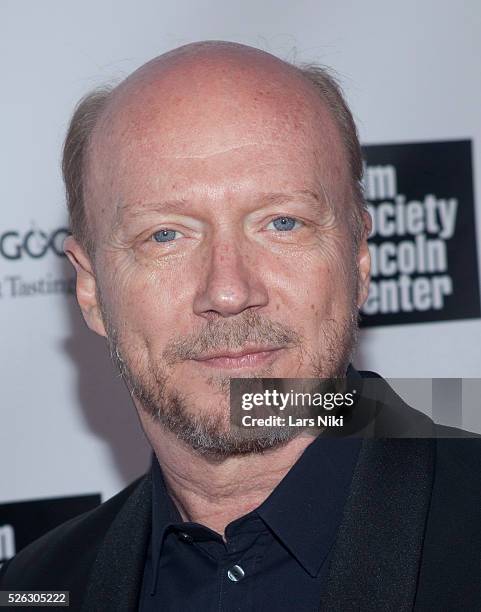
165,235
284,224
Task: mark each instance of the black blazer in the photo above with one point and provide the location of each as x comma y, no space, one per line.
410,538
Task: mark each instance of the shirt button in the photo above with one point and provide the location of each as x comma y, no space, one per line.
185,537
236,573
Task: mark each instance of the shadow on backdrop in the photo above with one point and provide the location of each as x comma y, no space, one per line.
105,401
359,360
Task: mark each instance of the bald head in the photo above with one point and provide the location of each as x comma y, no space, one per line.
199,101
208,97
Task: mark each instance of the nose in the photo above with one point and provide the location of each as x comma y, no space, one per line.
230,283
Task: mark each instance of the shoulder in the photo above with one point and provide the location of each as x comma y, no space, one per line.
458,458
451,564
65,554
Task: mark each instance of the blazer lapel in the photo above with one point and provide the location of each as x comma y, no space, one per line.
116,577
378,550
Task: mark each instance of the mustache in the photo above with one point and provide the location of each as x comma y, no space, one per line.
248,328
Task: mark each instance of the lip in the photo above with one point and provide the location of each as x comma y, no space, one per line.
248,358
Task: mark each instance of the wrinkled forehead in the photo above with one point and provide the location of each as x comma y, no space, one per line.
214,115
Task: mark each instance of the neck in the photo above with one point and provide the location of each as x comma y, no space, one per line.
216,492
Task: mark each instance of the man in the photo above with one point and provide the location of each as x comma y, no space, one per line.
219,231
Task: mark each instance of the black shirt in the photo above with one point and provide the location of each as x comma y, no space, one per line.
274,558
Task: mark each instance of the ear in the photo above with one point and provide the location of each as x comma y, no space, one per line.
86,285
364,260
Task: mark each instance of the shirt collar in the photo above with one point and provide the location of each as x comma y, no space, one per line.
304,510
306,507
164,514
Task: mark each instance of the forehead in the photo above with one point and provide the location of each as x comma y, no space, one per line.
213,127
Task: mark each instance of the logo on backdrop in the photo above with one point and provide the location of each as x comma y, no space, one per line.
34,243
24,522
423,241
7,542
21,251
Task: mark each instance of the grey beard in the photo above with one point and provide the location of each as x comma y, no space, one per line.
210,434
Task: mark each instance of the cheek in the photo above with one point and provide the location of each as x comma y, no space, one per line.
145,304
314,285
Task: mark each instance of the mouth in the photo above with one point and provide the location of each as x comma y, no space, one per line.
235,360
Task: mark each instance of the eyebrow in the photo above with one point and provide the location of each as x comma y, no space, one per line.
177,205
281,198
127,210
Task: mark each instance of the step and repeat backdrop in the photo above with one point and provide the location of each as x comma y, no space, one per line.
423,240
69,436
